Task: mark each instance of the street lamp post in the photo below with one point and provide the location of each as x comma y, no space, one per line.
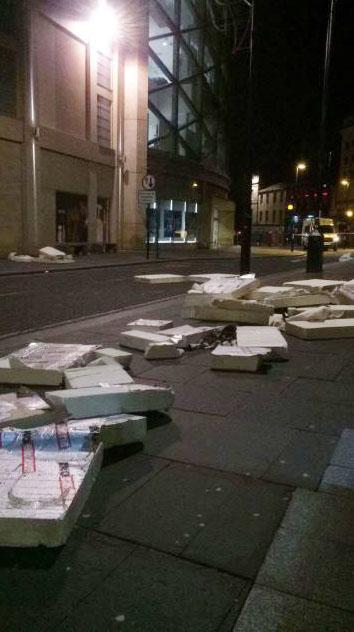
246,226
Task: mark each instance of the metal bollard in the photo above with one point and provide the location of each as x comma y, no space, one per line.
315,249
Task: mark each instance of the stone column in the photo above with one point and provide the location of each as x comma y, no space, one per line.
31,150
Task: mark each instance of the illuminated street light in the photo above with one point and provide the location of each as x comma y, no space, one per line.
195,185
344,182
290,207
349,213
103,26
301,166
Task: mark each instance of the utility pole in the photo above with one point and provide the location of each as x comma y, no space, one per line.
246,213
324,105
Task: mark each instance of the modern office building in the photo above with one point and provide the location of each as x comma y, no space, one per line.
94,96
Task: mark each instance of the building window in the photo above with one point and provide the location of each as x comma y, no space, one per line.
104,71
267,198
104,115
8,82
275,196
266,216
274,216
260,216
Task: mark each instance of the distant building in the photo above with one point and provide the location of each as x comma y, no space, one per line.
270,213
344,192
87,111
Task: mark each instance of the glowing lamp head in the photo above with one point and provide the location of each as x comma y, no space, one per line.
290,207
195,185
301,166
344,182
103,26
349,213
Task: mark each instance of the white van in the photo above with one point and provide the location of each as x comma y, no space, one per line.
326,226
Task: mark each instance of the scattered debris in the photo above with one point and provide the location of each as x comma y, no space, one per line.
314,285
314,314
43,488
150,325
113,430
161,278
162,351
85,377
43,363
334,328
110,355
344,294
266,337
346,257
186,335
233,358
124,398
53,255
20,258
140,340
235,287
25,410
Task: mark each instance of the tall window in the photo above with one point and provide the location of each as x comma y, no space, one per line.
104,100
104,116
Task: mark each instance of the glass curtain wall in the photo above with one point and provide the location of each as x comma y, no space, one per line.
185,114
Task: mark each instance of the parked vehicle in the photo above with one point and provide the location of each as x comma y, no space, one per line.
326,227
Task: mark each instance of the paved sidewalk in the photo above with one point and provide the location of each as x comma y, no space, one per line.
167,252
216,523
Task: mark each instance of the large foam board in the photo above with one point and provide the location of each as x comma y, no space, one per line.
234,287
211,313
267,337
113,430
98,402
315,285
234,358
88,376
186,334
144,324
162,351
160,278
24,411
136,339
333,328
111,354
42,488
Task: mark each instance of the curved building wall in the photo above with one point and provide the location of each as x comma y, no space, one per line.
186,147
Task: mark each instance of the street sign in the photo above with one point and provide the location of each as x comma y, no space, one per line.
148,182
146,198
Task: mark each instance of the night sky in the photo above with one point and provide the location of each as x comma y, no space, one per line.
288,75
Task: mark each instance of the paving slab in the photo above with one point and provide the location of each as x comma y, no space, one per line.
308,414
338,480
117,481
40,587
229,444
303,460
237,538
326,367
209,400
325,391
164,513
344,452
317,514
310,567
269,610
172,373
153,592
